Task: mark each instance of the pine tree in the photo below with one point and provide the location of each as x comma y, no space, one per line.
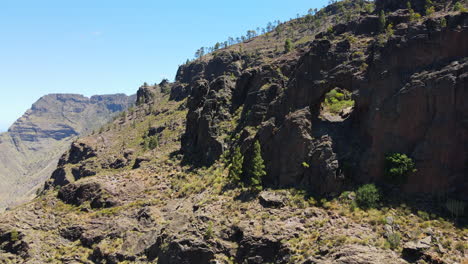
382,21
287,45
235,169
153,142
255,167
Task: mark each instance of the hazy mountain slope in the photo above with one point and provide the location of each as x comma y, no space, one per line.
29,151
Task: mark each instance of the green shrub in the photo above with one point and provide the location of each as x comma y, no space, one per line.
429,8
209,233
151,142
397,167
430,11
337,99
461,246
413,15
14,235
393,240
389,31
367,196
443,22
459,7
424,216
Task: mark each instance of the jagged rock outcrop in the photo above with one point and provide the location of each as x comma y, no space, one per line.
13,242
29,151
223,63
421,70
209,106
148,94
77,194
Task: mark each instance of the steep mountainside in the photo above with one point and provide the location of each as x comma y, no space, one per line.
258,153
29,151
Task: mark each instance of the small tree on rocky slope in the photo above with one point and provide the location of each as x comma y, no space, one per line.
382,22
397,167
235,169
288,45
254,168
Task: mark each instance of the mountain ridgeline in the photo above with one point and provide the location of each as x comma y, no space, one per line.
338,137
29,151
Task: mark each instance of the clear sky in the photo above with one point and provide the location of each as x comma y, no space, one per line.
112,46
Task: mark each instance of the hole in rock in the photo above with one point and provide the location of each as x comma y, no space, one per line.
337,105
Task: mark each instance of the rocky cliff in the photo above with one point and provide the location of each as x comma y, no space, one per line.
29,151
408,89
156,185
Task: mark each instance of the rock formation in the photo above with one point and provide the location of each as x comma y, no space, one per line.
154,185
29,151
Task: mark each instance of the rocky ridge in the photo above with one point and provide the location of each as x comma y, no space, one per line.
33,144
153,187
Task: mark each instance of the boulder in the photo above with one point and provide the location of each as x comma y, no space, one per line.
91,237
139,161
77,194
413,251
104,200
79,151
119,163
357,254
187,251
271,199
153,131
71,233
253,250
86,169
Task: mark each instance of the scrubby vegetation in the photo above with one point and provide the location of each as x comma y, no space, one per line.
336,100
397,167
367,196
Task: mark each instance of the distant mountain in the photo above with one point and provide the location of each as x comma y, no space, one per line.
29,151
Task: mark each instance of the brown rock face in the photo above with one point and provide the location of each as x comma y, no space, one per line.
209,106
408,94
412,103
77,194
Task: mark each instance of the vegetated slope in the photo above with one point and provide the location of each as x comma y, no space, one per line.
29,151
154,185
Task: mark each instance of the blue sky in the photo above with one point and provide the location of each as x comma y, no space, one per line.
110,46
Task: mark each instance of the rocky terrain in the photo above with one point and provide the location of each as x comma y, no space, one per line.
376,84
29,151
